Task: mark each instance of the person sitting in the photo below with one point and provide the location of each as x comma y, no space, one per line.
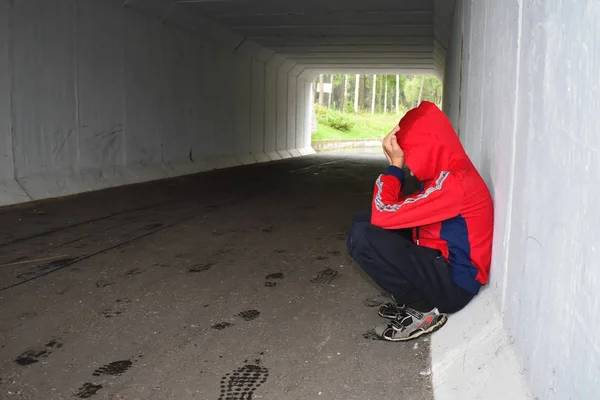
430,250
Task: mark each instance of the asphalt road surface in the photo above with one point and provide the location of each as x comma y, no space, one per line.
232,284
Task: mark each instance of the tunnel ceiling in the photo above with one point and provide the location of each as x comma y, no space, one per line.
350,35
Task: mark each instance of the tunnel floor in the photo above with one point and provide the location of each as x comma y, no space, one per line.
232,284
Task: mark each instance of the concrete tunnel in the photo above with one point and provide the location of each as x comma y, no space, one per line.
103,94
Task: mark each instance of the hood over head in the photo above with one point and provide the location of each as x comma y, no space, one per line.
429,142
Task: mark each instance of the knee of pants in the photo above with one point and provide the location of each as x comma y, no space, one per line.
357,238
362,216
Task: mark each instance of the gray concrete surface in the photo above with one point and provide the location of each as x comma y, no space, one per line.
521,90
94,95
318,35
195,287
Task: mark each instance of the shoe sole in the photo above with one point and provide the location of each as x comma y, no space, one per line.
417,335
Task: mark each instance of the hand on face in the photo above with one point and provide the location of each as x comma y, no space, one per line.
392,150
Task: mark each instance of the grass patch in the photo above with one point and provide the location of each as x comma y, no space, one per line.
363,126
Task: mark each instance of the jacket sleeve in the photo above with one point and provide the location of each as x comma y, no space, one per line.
439,201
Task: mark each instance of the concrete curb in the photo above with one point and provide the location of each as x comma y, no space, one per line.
261,157
307,151
329,145
472,357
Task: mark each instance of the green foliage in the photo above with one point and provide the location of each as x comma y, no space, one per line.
365,126
334,124
333,119
432,90
402,109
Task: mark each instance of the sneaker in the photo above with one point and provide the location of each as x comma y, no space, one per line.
392,311
411,325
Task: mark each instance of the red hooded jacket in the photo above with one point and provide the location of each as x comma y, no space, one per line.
453,212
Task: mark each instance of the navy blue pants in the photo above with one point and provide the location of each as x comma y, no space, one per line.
414,275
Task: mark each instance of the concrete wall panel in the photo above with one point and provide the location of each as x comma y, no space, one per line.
502,27
532,78
10,191
271,78
95,95
308,114
302,102
282,107
44,106
490,364
47,130
199,105
178,99
453,70
144,74
205,140
100,84
473,97
257,107
224,93
6,156
462,19
292,107
242,99
555,223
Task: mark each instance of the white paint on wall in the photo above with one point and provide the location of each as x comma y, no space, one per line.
554,279
302,103
292,101
529,125
271,94
10,190
283,89
94,95
6,155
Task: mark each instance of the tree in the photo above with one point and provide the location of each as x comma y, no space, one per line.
432,90
403,81
361,95
373,98
357,94
421,90
344,94
321,89
397,94
385,96
330,93
379,99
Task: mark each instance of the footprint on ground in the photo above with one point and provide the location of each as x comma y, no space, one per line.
115,368
249,315
243,382
201,267
87,390
326,276
221,325
33,356
371,335
273,277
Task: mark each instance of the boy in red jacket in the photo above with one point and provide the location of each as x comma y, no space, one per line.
430,250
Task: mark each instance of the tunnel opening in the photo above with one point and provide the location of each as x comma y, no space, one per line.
353,112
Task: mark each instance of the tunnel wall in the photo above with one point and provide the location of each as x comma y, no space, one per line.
94,95
528,120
